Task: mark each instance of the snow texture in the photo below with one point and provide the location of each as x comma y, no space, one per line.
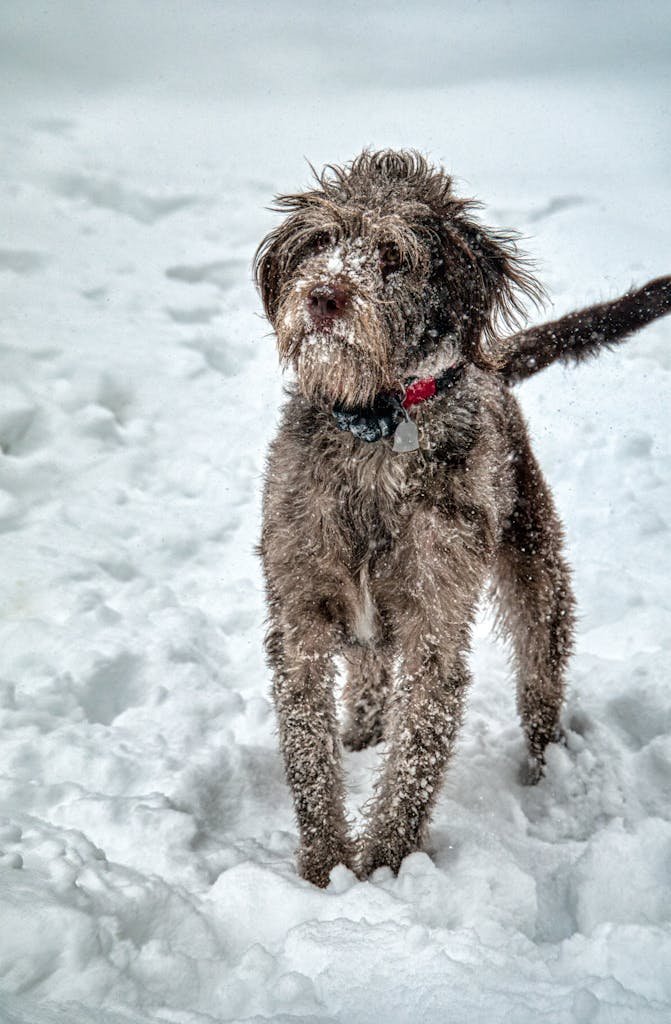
146,834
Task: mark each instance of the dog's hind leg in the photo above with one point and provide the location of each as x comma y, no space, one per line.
369,679
536,606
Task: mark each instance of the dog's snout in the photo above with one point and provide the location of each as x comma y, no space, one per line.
326,302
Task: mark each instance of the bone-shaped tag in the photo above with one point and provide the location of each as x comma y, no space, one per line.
406,437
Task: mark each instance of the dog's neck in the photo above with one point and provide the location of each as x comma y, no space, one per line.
381,418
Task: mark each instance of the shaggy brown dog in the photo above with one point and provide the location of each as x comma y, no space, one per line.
377,545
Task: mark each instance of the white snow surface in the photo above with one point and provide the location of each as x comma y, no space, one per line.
146,834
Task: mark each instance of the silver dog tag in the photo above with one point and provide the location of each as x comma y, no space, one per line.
406,437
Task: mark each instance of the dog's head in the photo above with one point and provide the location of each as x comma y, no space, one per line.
381,273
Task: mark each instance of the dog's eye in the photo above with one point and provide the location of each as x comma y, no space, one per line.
321,241
389,256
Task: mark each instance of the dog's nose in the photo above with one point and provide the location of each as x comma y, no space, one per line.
326,302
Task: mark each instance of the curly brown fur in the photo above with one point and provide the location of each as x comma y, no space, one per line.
376,276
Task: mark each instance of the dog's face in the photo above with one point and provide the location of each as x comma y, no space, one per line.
381,274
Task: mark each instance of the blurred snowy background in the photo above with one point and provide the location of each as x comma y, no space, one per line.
146,835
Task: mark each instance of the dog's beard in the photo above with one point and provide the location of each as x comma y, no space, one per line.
346,362
341,368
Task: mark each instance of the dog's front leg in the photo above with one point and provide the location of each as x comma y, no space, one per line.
304,700
439,569
425,715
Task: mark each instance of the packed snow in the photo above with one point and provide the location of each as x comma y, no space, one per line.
146,834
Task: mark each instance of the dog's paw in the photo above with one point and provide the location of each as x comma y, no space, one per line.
382,852
531,771
316,861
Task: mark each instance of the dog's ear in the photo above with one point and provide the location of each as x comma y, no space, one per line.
267,269
308,216
502,287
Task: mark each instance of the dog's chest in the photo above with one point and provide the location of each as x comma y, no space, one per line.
373,492
371,506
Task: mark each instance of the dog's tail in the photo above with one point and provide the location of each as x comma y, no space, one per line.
582,334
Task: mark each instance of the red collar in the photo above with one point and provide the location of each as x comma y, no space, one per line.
419,391
427,387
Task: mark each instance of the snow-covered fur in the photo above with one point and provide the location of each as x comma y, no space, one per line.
379,275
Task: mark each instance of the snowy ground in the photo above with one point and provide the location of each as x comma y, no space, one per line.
146,835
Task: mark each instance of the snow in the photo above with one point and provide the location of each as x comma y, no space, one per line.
146,833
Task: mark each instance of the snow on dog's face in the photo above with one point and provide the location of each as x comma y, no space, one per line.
342,311
380,274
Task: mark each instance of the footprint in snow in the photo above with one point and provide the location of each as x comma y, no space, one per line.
95,294
22,261
12,511
106,414
641,716
113,686
220,355
21,423
53,125
222,273
637,444
112,195
10,840
199,315
554,205
116,396
557,204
